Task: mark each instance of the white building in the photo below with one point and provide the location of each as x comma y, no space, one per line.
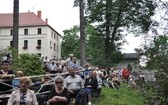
35,35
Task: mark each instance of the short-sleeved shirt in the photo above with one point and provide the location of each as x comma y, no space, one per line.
73,83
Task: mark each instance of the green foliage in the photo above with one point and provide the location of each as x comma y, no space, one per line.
124,96
96,47
123,13
149,91
111,18
30,64
158,60
70,42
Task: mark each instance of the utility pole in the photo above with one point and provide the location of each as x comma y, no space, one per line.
82,33
15,24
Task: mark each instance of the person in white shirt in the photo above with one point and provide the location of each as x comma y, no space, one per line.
74,63
69,60
53,68
73,83
46,59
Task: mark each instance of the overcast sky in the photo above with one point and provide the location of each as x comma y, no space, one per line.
60,13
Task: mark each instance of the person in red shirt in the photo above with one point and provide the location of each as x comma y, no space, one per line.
125,74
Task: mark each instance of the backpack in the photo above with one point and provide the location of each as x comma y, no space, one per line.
81,98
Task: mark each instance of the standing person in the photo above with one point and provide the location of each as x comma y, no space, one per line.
6,75
73,83
46,59
23,96
74,63
87,71
129,67
69,60
59,95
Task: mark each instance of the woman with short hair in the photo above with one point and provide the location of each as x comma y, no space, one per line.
59,94
23,96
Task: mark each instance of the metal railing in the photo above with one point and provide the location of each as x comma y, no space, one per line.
2,81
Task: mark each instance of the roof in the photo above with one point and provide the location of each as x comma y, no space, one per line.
131,55
25,19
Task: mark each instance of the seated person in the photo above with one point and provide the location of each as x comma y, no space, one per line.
16,81
59,95
6,77
45,79
73,83
43,88
23,96
100,82
114,82
91,84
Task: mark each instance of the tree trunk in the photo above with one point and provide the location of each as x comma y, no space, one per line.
108,47
15,25
82,33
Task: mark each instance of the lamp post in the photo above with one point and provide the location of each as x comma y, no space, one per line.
82,31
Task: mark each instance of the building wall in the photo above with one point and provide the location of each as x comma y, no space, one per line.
32,38
133,62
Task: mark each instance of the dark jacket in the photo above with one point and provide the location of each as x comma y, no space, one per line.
93,83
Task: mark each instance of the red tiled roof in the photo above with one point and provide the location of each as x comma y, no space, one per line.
25,19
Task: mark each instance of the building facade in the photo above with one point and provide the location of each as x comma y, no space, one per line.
35,35
132,59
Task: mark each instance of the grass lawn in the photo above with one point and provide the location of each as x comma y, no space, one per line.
124,96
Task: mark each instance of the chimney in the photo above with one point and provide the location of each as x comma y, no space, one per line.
39,14
46,20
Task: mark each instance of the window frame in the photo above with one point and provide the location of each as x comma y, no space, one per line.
26,31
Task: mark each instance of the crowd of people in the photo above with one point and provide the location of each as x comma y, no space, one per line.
65,88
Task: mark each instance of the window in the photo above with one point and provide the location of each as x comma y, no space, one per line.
57,48
25,31
50,44
51,33
54,35
39,42
39,54
11,43
39,31
11,32
54,46
57,37
25,44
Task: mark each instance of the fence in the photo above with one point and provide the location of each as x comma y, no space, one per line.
4,95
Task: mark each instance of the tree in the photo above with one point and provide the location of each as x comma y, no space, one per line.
70,42
95,48
15,25
158,60
30,64
113,17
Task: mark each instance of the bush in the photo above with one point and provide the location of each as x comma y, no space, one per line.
30,64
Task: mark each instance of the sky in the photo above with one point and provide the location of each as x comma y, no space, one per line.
61,15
